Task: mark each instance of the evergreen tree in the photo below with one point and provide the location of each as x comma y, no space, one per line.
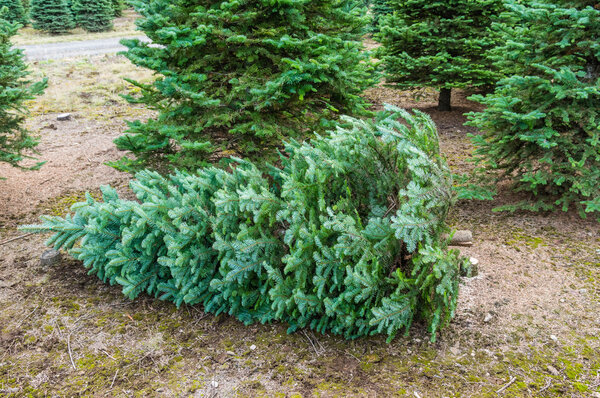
236,76
345,236
15,12
117,6
93,15
439,44
379,8
15,90
541,127
52,16
26,7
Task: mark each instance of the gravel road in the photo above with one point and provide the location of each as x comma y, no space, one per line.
38,52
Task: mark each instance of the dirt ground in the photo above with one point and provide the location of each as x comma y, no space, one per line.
526,326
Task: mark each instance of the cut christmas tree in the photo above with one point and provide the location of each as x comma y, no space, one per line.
345,236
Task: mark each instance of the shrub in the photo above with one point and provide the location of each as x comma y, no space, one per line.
15,90
541,127
238,76
15,11
93,15
52,16
439,44
345,236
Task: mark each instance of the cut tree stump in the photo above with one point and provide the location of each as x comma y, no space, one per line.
50,257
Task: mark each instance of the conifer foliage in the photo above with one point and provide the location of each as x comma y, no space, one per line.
240,75
15,89
93,15
379,8
345,236
15,11
542,125
117,6
52,16
439,44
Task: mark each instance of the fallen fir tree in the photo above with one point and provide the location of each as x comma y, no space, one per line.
345,236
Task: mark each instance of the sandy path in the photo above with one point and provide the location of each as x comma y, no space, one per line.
47,51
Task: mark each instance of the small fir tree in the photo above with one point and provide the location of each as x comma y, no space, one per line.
379,8
238,76
345,236
439,44
93,15
15,11
15,89
117,6
52,16
541,127
26,7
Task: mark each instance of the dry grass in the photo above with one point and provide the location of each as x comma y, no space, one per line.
122,26
90,86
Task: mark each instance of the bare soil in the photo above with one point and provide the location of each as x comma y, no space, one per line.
526,326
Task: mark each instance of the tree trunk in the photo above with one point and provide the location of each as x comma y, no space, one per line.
444,101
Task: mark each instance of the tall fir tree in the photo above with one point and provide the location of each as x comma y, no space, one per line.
345,236
52,16
236,76
93,15
15,11
439,43
541,126
15,90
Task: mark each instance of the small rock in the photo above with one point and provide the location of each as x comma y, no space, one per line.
474,262
230,353
461,238
488,317
214,384
455,350
63,117
583,291
252,347
50,257
7,284
553,337
552,370
372,358
562,300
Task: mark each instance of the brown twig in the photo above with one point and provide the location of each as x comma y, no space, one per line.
16,238
70,353
113,380
311,342
510,382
